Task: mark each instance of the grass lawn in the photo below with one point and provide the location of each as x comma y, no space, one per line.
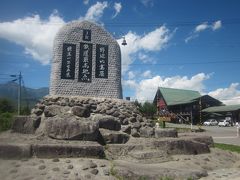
228,147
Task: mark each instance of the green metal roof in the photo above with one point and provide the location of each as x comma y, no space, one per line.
178,96
227,108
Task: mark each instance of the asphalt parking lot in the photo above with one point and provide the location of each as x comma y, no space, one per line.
226,135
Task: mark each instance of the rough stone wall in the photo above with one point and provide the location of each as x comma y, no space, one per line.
72,33
85,108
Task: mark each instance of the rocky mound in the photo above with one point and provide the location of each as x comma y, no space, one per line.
90,119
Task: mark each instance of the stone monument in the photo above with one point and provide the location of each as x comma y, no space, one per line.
85,101
86,62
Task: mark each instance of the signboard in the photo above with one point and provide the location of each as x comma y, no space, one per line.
101,61
68,61
85,63
164,118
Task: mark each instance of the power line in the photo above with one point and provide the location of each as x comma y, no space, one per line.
231,21
162,64
183,63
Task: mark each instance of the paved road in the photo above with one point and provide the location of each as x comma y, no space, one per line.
226,135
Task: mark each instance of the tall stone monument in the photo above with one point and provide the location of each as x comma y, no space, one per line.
86,62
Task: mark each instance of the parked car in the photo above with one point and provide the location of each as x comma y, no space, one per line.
224,123
210,122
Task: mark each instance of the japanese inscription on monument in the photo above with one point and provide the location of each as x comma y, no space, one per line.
85,63
101,61
68,61
86,35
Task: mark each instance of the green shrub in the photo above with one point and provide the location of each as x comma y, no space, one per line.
6,121
6,105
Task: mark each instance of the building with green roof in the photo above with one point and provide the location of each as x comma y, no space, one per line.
229,110
185,104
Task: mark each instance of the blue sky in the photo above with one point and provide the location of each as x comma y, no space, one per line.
171,43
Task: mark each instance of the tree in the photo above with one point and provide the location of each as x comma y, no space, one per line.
6,114
148,109
6,106
139,105
6,119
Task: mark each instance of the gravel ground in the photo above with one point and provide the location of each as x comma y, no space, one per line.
218,164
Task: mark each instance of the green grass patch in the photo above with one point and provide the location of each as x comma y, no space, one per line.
228,147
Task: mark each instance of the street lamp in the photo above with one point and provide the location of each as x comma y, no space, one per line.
124,42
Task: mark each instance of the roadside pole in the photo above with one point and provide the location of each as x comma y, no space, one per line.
19,92
191,121
238,129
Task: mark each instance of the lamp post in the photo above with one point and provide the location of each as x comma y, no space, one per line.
124,42
200,110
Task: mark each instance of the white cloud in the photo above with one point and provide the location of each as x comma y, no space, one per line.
202,27
191,37
130,84
216,25
153,41
147,74
131,75
230,95
34,34
147,3
85,2
145,58
146,88
95,12
117,7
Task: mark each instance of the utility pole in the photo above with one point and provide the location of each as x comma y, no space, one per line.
19,92
191,118
19,78
200,110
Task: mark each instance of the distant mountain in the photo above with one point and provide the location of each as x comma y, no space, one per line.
29,96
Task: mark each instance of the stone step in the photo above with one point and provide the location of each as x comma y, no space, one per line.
15,151
113,137
67,150
149,154
18,151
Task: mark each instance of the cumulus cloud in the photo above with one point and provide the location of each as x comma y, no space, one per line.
153,41
130,83
85,2
229,95
117,7
34,34
95,12
216,25
202,27
131,75
145,89
147,74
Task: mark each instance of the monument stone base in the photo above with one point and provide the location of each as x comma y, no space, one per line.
104,120
73,126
